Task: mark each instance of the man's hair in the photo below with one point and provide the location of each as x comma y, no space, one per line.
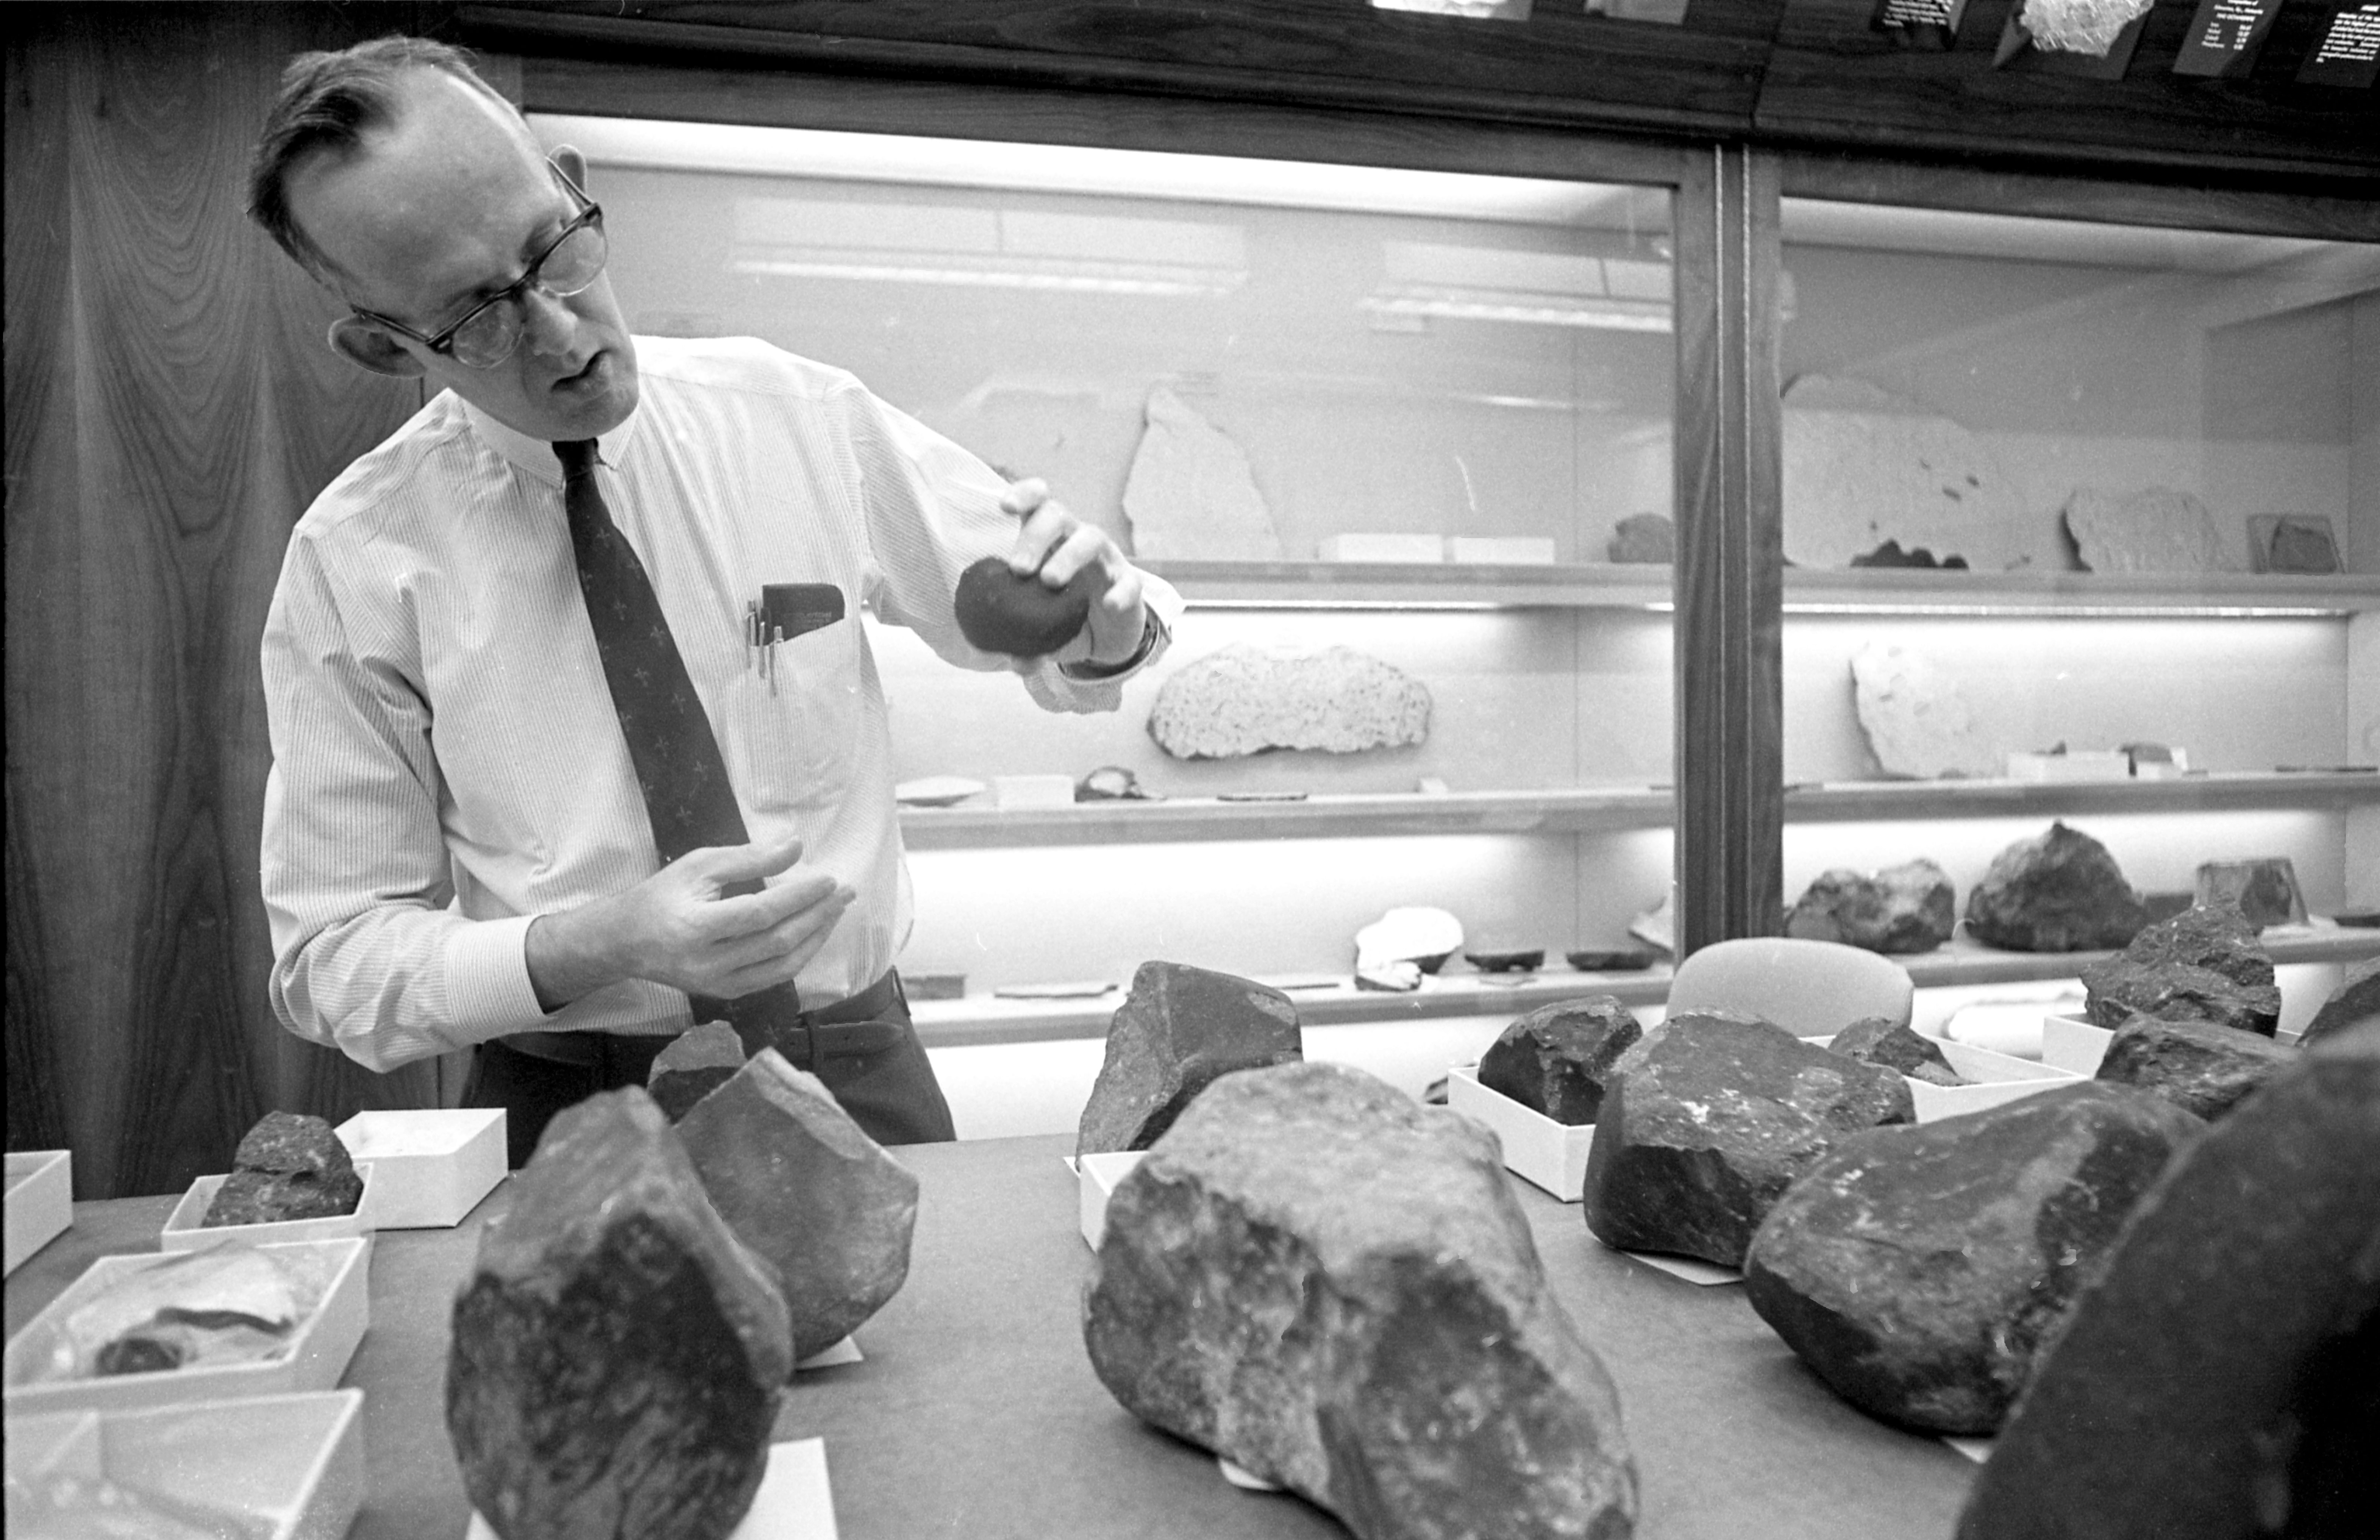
329,102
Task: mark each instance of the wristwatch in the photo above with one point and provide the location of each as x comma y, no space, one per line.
1152,632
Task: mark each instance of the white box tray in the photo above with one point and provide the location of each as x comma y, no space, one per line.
1099,1175
184,1230
295,1461
1997,1078
40,1201
431,1169
1549,1154
2072,1044
317,1357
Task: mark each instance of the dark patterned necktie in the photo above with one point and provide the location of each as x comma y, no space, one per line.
679,767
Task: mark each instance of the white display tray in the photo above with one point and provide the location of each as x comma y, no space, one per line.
1549,1154
1098,1175
295,1462
2072,1044
185,1231
318,1354
1998,1078
40,1201
432,1167
796,1500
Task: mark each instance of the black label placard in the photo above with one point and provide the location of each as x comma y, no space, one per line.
2224,37
1919,23
2349,53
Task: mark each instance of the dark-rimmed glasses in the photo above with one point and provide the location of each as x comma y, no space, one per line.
487,334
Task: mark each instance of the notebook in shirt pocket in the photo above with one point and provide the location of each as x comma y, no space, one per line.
794,737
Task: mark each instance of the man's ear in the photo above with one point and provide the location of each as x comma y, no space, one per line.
368,346
574,165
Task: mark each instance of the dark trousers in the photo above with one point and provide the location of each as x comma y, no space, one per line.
887,1084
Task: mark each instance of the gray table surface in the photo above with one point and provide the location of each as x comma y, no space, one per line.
976,1413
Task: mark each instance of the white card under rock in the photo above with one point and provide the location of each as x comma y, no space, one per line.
1687,1267
1977,1449
795,1502
844,1351
1243,1478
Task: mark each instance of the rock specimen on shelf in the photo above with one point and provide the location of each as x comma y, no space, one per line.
1002,610
703,1058
2264,889
1915,720
1112,783
1881,1040
1919,1269
1333,1287
1889,554
2356,999
1555,1059
1657,927
1708,1120
1864,465
1519,960
2057,891
1610,959
1647,539
2214,1378
2201,1067
2157,530
1179,1031
1414,933
617,1355
1911,908
2079,26
2204,964
806,1189
1189,495
289,1166
1246,700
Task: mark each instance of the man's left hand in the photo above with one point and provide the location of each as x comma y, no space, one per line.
1055,545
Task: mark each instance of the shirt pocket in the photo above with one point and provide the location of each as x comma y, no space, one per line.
795,719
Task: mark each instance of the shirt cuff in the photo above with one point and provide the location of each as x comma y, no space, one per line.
488,986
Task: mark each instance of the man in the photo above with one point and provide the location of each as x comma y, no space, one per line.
535,788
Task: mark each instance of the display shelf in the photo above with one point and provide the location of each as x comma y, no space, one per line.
1966,962
1596,810
1871,590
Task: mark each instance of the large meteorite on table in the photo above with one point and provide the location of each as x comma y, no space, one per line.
1333,1286
1708,1120
2204,964
1179,1031
2201,1067
617,1353
1918,1269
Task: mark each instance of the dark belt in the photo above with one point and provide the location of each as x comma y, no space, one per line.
847,1028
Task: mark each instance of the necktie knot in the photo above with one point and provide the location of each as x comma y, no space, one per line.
578,459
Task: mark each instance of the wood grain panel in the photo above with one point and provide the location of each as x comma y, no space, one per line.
176,413
1562,66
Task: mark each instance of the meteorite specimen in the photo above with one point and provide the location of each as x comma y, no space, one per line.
2357,998
702,1060
1002,610
2216,1379
1901,909
2058,892
1882,1040
1555,1059
1251,701
1179,1031
617,1355
1708,1120
2203,965
1918,1269
289,1166
2204,1068
1333,1286
804,1185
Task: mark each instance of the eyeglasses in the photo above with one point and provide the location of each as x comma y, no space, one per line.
487,334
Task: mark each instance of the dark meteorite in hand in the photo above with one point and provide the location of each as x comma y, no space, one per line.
1002,610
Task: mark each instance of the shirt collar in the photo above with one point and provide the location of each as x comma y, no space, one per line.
536,457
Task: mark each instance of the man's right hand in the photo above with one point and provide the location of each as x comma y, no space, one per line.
675,928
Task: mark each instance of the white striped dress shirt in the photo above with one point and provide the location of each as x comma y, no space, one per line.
448,764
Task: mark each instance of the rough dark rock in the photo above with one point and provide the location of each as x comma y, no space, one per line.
2057,891
802,1185
2201,1067
1881,1040
1889,554
2263,889
2216,1379
1335,1288
1918,1269
1524,960
1554,1060
2203,965
1002,610
703,1058
288,1165
1610,959
2357,998
1906,908
1179,1031
1708,1120
617,1355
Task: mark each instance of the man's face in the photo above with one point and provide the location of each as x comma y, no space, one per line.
443,209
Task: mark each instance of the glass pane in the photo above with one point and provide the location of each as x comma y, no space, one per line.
2156,454
1409,413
